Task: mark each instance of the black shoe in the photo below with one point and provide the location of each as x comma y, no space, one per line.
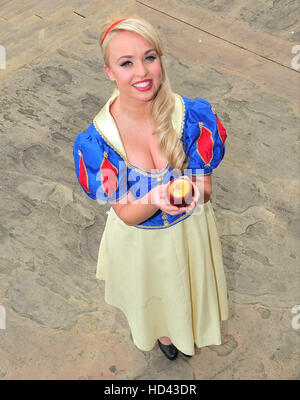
169,350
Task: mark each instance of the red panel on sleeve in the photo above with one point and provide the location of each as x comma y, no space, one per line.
205,145
83,176
109,177
221,130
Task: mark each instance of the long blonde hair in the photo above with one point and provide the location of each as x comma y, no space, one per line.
163,105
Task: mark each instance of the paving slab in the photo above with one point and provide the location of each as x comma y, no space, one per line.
197,46
230,27
58,325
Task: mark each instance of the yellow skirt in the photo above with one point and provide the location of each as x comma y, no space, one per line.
168,282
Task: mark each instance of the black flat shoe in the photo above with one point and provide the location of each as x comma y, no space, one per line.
169,350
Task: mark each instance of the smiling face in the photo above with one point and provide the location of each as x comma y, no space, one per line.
134,65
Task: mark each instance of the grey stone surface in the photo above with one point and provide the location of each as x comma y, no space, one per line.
276,17
58,325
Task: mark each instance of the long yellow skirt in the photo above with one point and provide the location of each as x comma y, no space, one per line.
168,282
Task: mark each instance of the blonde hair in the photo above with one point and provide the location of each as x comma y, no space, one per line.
163,105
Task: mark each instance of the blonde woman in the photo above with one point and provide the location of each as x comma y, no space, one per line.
161,260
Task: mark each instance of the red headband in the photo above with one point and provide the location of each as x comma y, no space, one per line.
112,26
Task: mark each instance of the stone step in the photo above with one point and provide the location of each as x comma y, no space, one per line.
15,33
101,10
46,8
19,18
223,56
47,35
41,40
55,16
226,28
93,7
41,32
60,14
22,25
11,9
14,8
11,32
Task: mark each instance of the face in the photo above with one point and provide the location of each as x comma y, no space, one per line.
134,65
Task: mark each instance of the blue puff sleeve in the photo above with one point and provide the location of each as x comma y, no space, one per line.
100,171
204,137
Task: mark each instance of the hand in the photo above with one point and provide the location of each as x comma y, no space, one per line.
159,196
196,195
190,207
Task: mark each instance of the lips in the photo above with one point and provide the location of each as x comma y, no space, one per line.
144,85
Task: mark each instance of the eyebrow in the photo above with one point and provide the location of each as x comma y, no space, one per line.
146,52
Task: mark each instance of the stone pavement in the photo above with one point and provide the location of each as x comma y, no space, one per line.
237,55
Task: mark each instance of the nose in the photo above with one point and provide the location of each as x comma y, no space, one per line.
141,69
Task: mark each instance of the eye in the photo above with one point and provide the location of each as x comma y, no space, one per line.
151,58
125,63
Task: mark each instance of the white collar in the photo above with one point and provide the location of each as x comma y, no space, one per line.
106,126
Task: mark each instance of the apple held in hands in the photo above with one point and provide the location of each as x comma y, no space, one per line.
181,192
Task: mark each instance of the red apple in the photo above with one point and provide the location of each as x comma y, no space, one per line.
181,192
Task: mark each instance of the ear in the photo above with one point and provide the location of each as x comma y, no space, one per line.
109,73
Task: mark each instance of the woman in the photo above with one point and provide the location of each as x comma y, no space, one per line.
162,263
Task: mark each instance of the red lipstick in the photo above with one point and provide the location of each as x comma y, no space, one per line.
144,87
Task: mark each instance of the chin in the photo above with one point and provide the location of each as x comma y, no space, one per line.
149,97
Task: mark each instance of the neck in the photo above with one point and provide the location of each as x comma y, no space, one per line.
136,110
